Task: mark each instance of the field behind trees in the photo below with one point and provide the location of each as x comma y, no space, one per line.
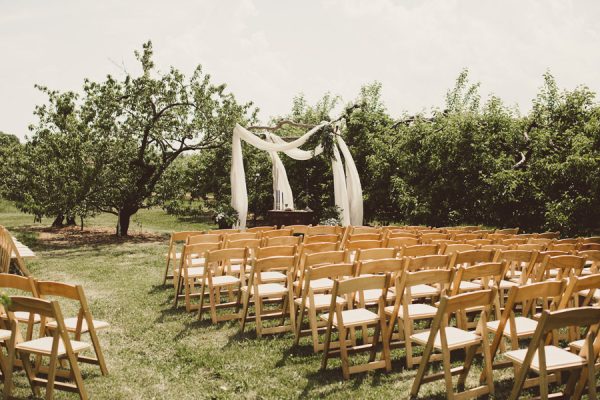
160,139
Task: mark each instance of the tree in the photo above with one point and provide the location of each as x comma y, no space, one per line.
143,124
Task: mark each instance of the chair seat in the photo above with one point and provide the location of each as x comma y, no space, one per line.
225,280
321,301
44,346
195,272
198,261
373,295
354,317
457,338
577,345
556,358
596,294
321,284
415,311
268,289
506,285
423,291
5,334
272,276
23,316
71,324
468,286
525,326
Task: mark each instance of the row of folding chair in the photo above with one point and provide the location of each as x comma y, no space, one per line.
47,334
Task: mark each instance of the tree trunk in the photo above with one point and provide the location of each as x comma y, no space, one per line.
71,220
123,221
58,221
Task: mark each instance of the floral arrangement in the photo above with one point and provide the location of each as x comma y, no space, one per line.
225,216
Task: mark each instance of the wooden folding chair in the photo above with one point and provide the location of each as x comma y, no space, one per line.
589,246
283,241
364,236
375,254
419,250
27,286
240,236
313,301
317,259
223,231
426,238
508,231
81,324
297,230
325,230
258,291
471,257
558,267
274,251
392,266
306,249
217,275
499,237
191,272
405,312
542,358
354,246
325,238
516,328
401,234
500,247
57,347
456,247
205,238
259,229
343,320
9,253
445,338
479,242
548,235
592,261
580,292
251,244
173,256
399,242
466,236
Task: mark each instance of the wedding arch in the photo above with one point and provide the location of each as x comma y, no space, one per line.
346,182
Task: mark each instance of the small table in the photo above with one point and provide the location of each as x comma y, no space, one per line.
295,217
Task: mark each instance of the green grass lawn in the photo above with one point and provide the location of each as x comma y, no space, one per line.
157,352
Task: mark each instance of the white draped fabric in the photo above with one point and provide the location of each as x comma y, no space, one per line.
347,187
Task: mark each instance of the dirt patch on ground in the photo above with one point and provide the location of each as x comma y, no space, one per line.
74,236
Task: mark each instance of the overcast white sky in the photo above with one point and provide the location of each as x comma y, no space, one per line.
269,51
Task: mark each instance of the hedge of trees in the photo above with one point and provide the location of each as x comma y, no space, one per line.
123,145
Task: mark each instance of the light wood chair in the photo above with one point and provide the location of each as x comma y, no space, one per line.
325,238
305,249
471,257
500,247
274,276
406,312
426,238
354,246
592,261
258,291
466,236
205,238
9,253
515,328
479,242
400,241
402,234
324,230
343,320
580,292
454,248
283,241
297,230
517,241
508,231
311,301
589,246
548,235
173,256
240,236
316,259
419,250
375,254
529,246
223,231
543,359
499,237
191,272
57,348
445,338
24,285
259,229
593,239
275,233
83,323
559,267
216,277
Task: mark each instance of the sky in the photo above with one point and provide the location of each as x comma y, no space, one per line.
269,51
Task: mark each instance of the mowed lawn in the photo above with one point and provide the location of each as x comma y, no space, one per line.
157,352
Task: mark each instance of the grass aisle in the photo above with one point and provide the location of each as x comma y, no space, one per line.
156,352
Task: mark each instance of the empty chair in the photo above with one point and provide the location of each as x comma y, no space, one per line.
260,229
559,267
419,250
223,231
399,242
479,242
402,233
508,231
275,233
275,275
548,235
426,238
330,238
594,239
471,257
58,347
499,237
191,272
207,238
283,241
324,230
83,323
589,246
375,254
344,320
543,359
364,236
466,236
353,246
445,338
215,278
406,312
259,291
240,236
456,247
173,256
311,301
315,259
26,286
297,229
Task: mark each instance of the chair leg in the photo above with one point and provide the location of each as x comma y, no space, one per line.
326,345
51,376
407,331
245,305
258,308
201,308
447,373
99,354
344,351
314,330
213,304
298,329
